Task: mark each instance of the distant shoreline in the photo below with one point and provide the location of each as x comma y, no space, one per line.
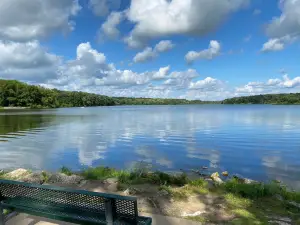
12,107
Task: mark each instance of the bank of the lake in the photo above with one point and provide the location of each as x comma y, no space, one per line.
207,199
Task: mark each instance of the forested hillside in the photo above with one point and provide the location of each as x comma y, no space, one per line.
18,94
287,99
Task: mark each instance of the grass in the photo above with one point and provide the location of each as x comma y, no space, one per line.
198,186
135,176
259,190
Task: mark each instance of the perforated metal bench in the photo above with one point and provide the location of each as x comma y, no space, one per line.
76,206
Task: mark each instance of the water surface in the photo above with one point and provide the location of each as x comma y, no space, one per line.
261,142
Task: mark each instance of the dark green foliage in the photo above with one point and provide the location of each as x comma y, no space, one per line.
280,99
154,101
17,94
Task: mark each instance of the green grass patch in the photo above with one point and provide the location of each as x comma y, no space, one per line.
135,176
199,219
235,201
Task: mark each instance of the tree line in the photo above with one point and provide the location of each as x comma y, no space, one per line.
279,99
18,94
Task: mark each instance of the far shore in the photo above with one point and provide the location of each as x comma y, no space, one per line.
13,107
207,198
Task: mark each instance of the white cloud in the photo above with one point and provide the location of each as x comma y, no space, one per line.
164,46
284,85
289,21
146,55
210,53
109,27
150,53
208,84
161,73
284,29
181,79
102,7
27,61
23,20
160,18
274,44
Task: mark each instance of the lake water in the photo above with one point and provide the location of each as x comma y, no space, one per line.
261,142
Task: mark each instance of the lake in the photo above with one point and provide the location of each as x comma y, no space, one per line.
261,142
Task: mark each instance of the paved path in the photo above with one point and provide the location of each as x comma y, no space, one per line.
24,219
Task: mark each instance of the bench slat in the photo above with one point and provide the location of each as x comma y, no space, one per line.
69,205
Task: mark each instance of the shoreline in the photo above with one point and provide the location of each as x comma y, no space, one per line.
206,199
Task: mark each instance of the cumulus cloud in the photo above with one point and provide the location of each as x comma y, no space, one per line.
27,61
102,7
181,79
284,85
274,44
210,53
109,28
164,46
208,84
159,18
23,20
91,69
284,29
150,53
146,55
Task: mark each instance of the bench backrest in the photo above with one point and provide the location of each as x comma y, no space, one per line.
121,206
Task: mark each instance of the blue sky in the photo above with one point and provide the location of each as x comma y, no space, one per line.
195,49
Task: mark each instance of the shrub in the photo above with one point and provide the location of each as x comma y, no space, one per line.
66,171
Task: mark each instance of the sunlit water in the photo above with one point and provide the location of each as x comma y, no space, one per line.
258,142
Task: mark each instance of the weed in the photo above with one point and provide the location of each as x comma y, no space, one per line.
45,177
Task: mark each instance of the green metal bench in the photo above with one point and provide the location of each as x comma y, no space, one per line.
76,206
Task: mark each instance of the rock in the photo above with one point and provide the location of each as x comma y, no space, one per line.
64,179
295,204
280,220
111,184
279,197
17,174
244,180
130,191
35,178
225,174
82,183
198,213
216,178
111,180
163,193
126,192
210,183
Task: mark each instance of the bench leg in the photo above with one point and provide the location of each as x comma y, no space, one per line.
108,212
2,218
